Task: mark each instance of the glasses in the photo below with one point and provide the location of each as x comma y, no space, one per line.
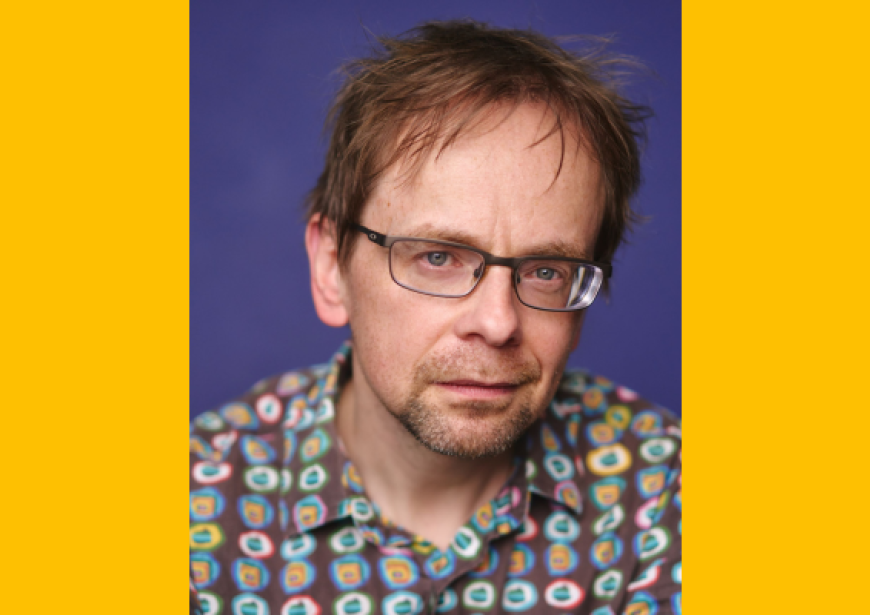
445,269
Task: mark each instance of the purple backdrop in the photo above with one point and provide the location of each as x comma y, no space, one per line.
262,76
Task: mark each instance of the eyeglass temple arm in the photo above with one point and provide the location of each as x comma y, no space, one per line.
373,236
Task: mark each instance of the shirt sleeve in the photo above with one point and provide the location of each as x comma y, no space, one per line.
195,606
657,585
211,441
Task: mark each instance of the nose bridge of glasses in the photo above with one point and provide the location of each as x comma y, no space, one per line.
488,260
496,284
500,261
494,261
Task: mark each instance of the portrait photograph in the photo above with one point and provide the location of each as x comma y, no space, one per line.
435,308
421,290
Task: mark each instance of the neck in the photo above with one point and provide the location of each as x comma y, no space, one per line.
427,493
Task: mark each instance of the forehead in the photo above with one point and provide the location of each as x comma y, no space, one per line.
504,186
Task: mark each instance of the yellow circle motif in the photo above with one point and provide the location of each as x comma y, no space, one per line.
618,416
205,536
608,460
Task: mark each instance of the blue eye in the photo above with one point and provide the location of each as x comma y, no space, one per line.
544,273
436,258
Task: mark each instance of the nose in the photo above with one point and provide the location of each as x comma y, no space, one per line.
492,310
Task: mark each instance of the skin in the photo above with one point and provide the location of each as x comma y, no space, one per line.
466,375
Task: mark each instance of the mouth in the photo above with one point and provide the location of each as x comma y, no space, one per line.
476,389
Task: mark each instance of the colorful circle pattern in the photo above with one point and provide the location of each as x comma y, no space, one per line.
281,523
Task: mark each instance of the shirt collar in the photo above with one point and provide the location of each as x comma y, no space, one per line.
553,469
321,484
324,486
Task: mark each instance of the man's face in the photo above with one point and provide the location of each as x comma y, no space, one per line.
468,376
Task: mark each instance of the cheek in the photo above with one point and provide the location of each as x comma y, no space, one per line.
383,308
553,338
393,328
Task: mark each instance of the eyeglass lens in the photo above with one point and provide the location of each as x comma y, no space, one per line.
450,271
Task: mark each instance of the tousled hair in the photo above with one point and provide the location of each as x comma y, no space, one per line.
425,88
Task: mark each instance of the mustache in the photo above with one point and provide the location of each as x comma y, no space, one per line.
467,366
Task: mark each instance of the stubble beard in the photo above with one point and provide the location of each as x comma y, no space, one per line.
474,429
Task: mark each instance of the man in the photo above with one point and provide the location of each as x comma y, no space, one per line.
475,190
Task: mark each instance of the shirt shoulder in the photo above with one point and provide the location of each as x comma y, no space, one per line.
597,401
628,451
289,401
604,439
614,439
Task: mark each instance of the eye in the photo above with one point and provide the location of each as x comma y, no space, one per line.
545,273
437,259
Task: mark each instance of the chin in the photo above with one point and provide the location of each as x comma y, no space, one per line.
480,431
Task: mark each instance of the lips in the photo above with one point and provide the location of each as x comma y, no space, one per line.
476,389
479,387
481,383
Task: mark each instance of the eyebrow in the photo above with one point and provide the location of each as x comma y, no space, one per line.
548,248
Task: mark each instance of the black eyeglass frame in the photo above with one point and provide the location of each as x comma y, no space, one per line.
513,263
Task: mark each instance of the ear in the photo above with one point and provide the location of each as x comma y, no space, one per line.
326,284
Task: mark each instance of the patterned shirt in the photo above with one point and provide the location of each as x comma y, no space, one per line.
588,522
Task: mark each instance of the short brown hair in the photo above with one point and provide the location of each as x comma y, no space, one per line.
428,85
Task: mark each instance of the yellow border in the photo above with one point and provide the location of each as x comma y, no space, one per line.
95,277
775,344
